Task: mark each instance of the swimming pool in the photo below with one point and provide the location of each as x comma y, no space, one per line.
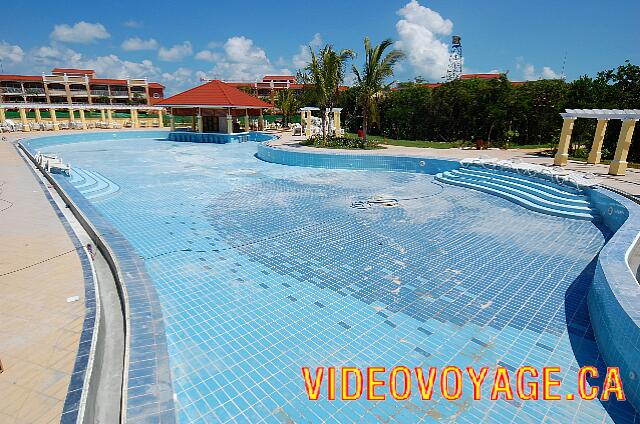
261,269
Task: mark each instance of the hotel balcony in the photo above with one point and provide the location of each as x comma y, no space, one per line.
116,93
57,92
78,92
100,93
34,91
11,90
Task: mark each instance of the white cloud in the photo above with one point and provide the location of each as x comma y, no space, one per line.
136,43
131,23
301,59
180,78
529,71
241,49
420,29
208,56
176,52
11,53
239,60
80,32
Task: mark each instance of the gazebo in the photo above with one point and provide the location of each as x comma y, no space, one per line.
305,119
215,109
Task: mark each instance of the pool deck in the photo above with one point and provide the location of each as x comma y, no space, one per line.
40,330
629,183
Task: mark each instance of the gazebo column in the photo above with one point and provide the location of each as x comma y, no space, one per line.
38,116
54,119
619,163
246,120
84,122
229,122
23,118
260,121
160,119
598,139
307,130
3,117
562,156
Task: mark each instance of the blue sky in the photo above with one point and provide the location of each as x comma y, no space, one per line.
176,43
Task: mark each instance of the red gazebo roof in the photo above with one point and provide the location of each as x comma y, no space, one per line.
214,94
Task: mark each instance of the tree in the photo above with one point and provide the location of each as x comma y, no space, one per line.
326,72
287,103
371,80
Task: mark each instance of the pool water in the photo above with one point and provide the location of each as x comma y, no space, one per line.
262,269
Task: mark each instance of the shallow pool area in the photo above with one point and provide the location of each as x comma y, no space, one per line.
261,269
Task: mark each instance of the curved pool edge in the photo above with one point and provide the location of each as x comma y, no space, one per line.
147,390
614,297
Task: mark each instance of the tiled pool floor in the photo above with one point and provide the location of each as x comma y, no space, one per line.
262,269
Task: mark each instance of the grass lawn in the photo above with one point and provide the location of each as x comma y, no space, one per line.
440,144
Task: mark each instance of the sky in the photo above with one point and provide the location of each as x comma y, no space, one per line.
179,43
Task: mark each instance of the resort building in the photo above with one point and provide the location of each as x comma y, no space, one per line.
268,87
78,86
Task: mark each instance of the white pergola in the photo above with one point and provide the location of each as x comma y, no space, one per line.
305,117
629,117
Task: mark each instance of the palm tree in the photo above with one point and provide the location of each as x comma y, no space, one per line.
287,103
326,72
375,71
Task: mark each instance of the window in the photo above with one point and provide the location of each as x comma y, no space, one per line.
156,95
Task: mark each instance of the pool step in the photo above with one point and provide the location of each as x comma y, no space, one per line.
540,196
93,185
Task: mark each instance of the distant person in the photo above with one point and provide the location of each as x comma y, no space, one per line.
479,142
360,133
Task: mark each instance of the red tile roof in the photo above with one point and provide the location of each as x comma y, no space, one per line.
21,78
481,76
155,85
214,93
278,78
72,71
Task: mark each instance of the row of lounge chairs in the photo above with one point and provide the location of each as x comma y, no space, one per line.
52,163
12,126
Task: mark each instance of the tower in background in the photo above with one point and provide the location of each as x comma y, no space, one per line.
454,70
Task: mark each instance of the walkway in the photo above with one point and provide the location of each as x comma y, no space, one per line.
629,183
39,329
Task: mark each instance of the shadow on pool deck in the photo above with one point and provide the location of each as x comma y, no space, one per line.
584,345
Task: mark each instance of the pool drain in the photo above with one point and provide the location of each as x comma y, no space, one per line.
386,202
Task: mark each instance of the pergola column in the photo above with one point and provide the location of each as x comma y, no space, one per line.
307,130
102,115
71,117
246,120
2,115
38,116
302,116
23,118
619,163
54,119
109,118
336,122
562,156
260,121
598,139
84,122
160,119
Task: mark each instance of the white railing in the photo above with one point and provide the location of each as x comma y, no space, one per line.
99,92
11,90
